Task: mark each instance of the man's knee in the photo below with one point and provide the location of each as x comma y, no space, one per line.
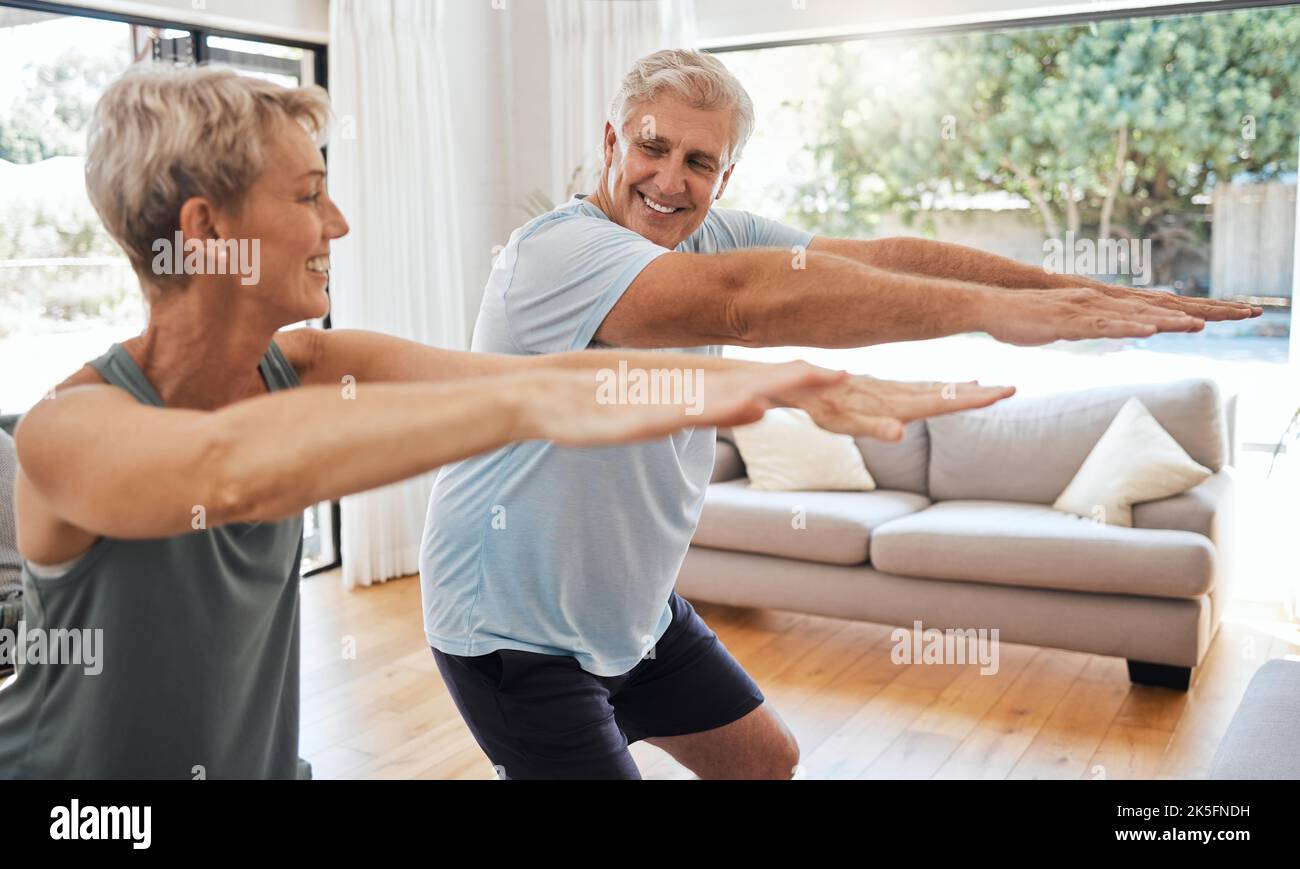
789,765
780,760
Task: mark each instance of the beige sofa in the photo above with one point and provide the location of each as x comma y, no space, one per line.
960,534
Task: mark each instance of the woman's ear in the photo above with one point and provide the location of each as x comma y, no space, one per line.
202,233
198,219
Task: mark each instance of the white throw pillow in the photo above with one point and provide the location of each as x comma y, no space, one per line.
785,450
1136,460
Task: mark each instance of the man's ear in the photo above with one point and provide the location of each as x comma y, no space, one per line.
611,142
726,176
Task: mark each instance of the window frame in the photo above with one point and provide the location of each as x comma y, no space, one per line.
1020,23
199,35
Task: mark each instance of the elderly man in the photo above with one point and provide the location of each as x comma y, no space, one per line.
548,575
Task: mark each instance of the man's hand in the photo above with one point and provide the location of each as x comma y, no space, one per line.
568,408
866,407
1205,309
1029,317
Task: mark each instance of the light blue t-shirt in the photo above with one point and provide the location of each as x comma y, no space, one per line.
559,550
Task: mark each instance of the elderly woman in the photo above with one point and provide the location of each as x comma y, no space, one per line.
161,488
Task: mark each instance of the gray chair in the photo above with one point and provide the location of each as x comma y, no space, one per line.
11,602
1263,739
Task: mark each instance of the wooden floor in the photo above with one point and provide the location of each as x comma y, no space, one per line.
374,705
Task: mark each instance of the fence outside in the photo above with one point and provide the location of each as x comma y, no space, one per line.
1253,246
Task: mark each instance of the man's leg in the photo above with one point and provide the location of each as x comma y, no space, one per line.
757,746
693,699
538,716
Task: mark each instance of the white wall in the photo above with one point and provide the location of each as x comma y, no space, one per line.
724,22
305,20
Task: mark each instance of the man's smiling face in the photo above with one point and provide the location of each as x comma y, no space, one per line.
665,170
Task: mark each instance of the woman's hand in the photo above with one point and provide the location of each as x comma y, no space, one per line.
579,409
866,407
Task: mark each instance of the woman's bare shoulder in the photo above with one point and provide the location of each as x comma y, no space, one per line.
86,375
43,536
299,346
47,407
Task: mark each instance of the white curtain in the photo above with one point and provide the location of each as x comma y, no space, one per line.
399,270
593,44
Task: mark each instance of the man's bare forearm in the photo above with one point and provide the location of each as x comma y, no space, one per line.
832,301
765,297
920,256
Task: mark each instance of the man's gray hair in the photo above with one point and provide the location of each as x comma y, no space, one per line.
698,78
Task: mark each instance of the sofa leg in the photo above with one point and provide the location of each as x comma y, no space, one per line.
1159,675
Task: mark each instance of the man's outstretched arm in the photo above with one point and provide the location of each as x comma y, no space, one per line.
769,297
920,256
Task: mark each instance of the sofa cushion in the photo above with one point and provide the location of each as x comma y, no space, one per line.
829,527
1206,509
1035,546
1028,449
1136,460
901,464
786,451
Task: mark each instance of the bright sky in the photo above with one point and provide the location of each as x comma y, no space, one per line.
25,47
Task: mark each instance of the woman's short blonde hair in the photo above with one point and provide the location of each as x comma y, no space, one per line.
162,134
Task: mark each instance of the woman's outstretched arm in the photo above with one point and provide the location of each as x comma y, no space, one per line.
860,406
102,462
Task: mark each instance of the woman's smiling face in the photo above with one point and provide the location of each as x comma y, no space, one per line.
288,222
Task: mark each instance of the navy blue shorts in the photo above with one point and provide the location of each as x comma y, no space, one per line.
543,717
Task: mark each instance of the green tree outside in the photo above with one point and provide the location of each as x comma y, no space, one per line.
1117,129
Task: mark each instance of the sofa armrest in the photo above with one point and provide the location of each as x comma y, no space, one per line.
1206,509
1230,422
727,464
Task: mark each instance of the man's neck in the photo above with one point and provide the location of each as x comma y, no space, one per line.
600,198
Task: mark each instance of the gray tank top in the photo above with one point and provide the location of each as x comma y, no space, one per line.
195,641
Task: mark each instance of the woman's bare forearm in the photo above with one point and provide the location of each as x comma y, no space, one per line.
356,437
609,359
